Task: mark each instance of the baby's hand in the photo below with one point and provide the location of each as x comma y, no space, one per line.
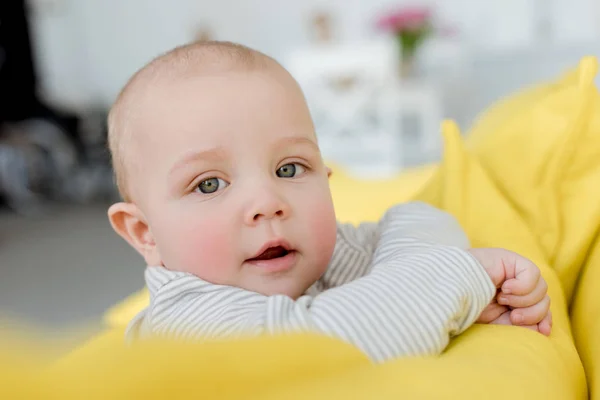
521,299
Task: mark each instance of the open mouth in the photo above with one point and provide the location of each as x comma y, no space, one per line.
271,253
276,256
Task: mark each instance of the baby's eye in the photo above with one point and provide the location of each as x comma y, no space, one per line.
290,170
211,185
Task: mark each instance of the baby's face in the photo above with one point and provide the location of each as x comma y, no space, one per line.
232,184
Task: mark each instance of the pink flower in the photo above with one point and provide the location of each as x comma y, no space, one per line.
405,19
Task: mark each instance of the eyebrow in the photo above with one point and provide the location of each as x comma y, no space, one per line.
289,141
214,154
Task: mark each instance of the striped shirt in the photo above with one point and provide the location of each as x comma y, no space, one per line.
400,287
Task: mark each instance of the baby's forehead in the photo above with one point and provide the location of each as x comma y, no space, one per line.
156,86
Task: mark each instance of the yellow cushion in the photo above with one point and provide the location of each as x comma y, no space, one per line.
586,320
541,147
551,174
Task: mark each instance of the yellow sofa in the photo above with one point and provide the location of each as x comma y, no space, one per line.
523,179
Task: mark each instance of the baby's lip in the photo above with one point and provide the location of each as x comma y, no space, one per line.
273,243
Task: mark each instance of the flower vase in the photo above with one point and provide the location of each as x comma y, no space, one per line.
408,43
407,67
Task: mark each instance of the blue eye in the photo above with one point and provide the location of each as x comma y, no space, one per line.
211,185
290,170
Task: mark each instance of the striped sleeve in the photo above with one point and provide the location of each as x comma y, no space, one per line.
403,228
411,227
352,255
415,298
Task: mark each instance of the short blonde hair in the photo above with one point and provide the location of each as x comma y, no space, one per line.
187,59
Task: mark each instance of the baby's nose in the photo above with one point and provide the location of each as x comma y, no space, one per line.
278,213
267,206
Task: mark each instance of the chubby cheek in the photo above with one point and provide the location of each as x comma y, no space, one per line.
201,246
322,225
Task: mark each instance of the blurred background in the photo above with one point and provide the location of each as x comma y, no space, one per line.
379,75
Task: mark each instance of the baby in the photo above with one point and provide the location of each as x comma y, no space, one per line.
226,197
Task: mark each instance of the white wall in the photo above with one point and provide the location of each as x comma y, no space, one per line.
88,48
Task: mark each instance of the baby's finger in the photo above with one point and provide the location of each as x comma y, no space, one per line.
492,312
525,280
503,319
527,300
545,327
531,315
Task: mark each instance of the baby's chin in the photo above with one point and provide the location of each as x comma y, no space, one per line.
285,287
292,292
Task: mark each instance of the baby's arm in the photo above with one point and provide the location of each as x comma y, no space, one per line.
401,228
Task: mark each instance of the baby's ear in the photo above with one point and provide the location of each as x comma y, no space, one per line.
129,222
329,172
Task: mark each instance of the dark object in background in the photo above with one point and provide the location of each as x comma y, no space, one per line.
18,79
39,164
42,154
36,158
17,75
